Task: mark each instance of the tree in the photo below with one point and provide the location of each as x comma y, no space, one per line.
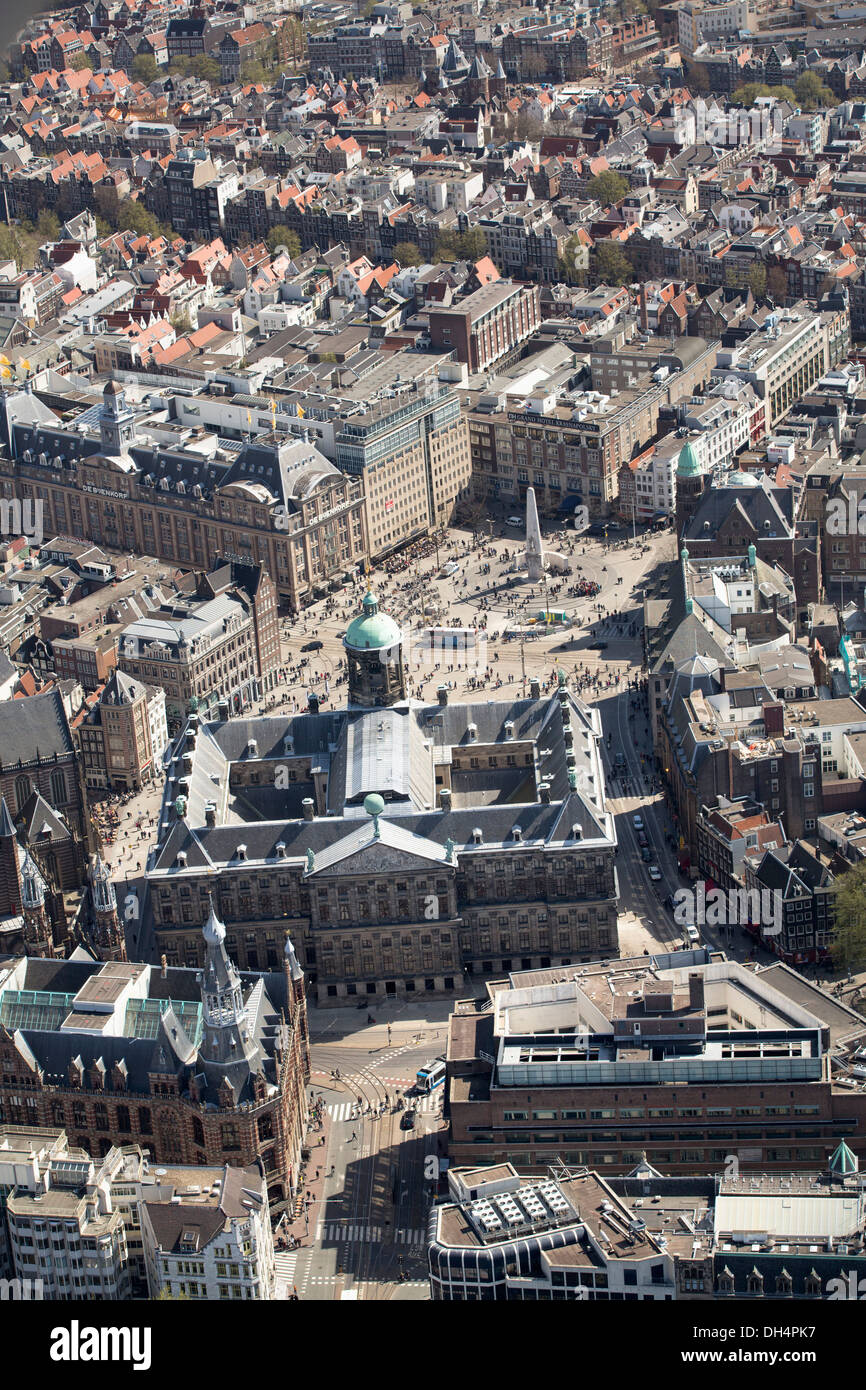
747,94
567,267
10,246
79,62
473,244
811,92
283,236
253,71
199,66
133,216
533,64
849,903
48,225
144,68
777,284
614,267
407,253
456,246
757,281
608,187
698,79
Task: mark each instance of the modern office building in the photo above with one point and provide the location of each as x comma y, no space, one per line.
684,1058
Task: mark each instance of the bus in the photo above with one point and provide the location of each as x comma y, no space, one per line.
431,1075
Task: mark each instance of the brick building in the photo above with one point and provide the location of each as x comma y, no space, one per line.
199,1067
488,326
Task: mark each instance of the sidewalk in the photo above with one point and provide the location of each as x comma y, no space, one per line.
313,1186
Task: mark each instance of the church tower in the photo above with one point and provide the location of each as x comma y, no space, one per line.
116,420
297,1000
38,936
690,484
374,656
10,872
228,1049
106,931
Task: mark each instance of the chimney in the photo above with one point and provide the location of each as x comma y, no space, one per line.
210,813
696,991
163,965
308,806
544,792
535,688
644,320
774,718
445,798
442,694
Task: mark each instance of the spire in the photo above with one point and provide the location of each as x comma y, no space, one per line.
226,1039
104,898
32,883
7,829
842,1162
213,931
292,963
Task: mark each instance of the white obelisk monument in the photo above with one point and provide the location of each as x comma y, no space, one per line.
534,549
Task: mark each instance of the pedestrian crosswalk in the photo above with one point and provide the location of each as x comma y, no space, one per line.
284,1269
346,1233
425,1105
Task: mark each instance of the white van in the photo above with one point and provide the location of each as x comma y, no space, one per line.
515,521
693,935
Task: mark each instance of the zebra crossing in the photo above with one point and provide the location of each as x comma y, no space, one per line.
425,1105
347,1233
284,1269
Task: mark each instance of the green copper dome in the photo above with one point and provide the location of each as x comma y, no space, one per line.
372,629
687,464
